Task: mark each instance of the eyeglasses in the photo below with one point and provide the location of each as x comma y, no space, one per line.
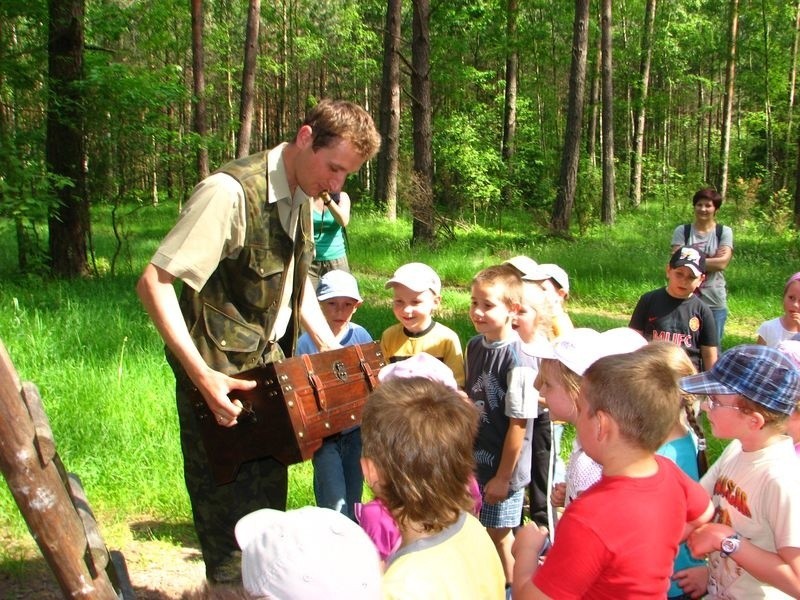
712,404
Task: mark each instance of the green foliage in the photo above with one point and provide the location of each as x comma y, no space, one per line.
468,163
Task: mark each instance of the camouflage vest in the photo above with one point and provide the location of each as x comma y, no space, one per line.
231,317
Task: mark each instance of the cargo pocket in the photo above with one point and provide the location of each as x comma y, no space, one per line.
266,275
228,334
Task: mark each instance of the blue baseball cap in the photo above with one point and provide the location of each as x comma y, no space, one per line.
759,373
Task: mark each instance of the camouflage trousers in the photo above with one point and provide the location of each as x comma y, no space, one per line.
217,508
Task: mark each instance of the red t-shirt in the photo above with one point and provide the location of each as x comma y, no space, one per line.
619,538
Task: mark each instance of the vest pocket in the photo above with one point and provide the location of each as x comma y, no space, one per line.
228,333
266,264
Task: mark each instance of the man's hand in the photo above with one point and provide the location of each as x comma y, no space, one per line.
215,387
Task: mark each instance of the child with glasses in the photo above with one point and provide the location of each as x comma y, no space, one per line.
753,543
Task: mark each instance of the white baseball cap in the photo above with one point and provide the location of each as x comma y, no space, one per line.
523,264
580,348
309,552
549,271
417,277
338,283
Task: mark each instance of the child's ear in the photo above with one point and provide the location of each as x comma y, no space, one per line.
757,421
370,471
605,425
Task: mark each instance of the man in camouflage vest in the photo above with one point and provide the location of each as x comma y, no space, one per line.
242,247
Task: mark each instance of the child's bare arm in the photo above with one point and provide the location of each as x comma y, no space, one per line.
709,354
496,488
701,520
527,546
779,569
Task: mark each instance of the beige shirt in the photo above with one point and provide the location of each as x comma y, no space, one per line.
212,227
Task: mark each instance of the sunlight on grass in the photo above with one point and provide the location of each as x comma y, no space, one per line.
109,393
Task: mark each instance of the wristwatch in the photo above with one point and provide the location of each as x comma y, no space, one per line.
730,545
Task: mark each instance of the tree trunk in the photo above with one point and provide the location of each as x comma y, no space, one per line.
422,202
386,184
568,174
768,162
199,80
594,102
792,87
248,79
65,146
644,83
608,207
730,77
510,110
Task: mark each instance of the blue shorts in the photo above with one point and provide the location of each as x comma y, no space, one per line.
507,513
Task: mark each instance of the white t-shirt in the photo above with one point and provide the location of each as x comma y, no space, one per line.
773,333
756,493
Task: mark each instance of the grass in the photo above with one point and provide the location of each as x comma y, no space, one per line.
108,392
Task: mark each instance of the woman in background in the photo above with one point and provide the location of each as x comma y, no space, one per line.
330,215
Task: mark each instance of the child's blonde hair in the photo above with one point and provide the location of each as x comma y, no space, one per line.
554,370
642,396
534,296
504,276
419,434
681,365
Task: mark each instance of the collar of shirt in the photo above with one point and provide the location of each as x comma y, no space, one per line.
278,189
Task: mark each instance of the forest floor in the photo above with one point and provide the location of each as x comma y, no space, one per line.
158,569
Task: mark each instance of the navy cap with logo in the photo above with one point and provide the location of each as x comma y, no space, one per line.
762,374
686,256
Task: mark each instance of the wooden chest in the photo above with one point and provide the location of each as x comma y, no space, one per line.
297,403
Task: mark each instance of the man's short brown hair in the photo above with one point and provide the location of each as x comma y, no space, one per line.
332,120
419,434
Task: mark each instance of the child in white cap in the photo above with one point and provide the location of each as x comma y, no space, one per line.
338,481
555,282
306,554
560,375
417,293
620,538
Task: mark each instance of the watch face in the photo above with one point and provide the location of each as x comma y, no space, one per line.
730,545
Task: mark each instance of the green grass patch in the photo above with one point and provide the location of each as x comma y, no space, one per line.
109,394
